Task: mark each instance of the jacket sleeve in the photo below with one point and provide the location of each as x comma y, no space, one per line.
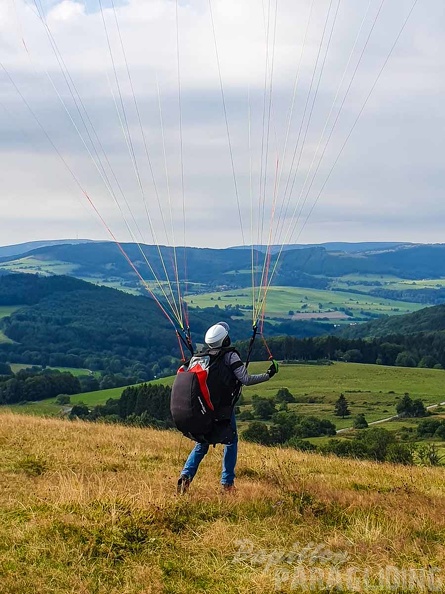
240,371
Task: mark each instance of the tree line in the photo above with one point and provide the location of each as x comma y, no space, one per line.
146,405
423,349
30,385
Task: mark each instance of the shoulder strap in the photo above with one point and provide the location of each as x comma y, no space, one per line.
216,355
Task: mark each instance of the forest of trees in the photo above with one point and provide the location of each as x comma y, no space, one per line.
144,405
424,349
33,383
30,385
70,323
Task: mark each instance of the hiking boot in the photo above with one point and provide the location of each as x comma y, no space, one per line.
228,489
183,485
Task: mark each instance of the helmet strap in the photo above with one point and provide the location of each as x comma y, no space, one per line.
226,341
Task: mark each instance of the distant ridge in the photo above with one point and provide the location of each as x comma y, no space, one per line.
336,246
22,248
311,267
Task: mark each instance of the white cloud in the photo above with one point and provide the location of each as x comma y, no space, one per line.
66,11
393,159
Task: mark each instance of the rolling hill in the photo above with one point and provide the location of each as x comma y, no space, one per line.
310,267
22,248
337,246
427,320
64,321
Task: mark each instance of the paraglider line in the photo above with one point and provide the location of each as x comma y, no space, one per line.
226,122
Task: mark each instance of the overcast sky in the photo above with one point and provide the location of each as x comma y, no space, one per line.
388,183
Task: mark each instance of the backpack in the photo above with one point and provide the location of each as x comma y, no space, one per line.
196,412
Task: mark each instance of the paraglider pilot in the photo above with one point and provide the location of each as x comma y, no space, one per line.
222,380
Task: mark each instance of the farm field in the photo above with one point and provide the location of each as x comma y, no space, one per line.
368,282
282,300
370,389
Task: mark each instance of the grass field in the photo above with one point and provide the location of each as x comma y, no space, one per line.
7,310
4,339
73,370
92,508
49,408
370,389
281,300
368,282
33,265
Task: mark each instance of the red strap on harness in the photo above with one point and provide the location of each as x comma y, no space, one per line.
201,375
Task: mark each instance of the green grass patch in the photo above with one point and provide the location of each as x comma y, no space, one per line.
73,370
369,282
31,264
4,339
7,310
373,390
50,408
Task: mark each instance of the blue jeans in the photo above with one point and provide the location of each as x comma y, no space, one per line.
228,463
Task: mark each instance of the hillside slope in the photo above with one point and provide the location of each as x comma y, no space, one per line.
21,248
429,319
92,508
103,259
68,322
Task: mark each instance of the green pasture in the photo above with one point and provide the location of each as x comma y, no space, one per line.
137,288
33,265
49,408
281,300
7,310
112,283
4,339
73,370
370,389
355,378
369,282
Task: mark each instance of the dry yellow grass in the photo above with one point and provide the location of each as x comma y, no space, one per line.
92,508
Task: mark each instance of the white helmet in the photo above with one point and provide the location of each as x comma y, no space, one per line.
216,335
